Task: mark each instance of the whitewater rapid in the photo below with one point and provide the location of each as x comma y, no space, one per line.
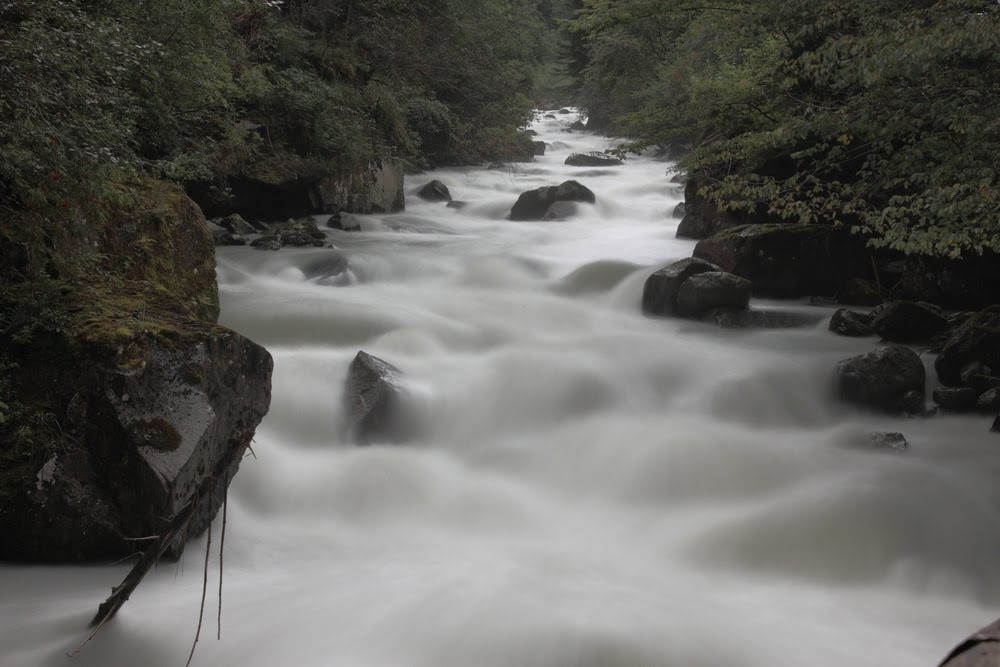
586,487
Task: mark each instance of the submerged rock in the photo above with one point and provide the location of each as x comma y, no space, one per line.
891,441
889,379
980,650
728,318
594,159
434,191
533,204
561,210
851,323
373,400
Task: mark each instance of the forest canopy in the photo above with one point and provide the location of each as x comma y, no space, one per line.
883,115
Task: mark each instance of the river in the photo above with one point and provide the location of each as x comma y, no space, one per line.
586,487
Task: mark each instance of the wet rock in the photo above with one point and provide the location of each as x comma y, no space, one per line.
980,650
907,321
345,222
989,401
889,379
564,111
957,399
786,260
329,265
298,233
224,237
533,204
373,399
237,225
457,204
679,210
561,210
851,323
594,159
702,218
996,425
577,126
549,116
978,340
539,147
659,293
728,318
891,441
434,191
712,289
679,178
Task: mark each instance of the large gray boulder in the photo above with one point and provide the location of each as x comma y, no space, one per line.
539,147
373,399
889,379
659,293
907,321
712,289
980,650
593,159
533,204
434,191
224,237
237,225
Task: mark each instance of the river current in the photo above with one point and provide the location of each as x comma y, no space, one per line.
586,486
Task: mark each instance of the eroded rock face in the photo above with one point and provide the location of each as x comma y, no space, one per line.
889,379
148,418
373,399
533,204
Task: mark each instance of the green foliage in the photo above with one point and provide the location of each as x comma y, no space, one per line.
884,116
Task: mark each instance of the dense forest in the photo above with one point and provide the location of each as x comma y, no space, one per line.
883,116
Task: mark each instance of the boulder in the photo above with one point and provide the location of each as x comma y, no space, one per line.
989,401
996,425
890,441
330,264
564,111
978,340
434,191
224,237
851,323
980,650
237,225
457,204
679,178
957,399
659,293
539,147
679,210
712,289
345,222
533,204
594,159
578,126
372,400
549,116
889,379
785,260
297,233
907,321
729,318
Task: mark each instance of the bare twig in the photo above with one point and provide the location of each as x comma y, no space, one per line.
204,592
222,548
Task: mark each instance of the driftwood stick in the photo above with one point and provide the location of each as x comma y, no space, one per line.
177,525
204,593
222,549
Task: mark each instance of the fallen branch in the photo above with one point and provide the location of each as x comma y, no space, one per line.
204,592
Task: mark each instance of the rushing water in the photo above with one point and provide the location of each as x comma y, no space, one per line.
587,487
